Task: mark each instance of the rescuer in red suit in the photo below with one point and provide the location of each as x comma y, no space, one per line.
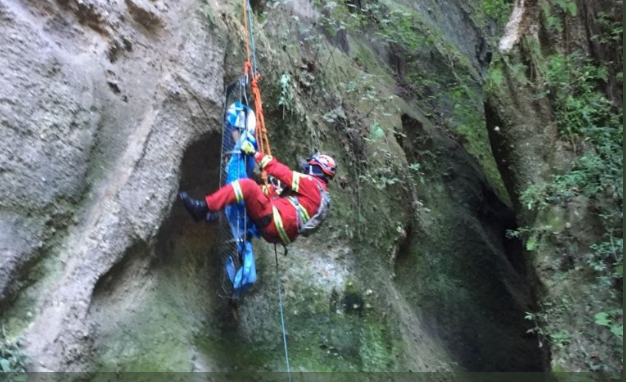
279,218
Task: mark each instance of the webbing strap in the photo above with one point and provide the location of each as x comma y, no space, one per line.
302,212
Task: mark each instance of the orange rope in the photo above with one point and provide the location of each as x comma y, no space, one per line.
261,130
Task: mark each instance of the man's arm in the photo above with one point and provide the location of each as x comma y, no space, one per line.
279,171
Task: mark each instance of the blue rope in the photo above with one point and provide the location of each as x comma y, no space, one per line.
251,33
282,315
280,296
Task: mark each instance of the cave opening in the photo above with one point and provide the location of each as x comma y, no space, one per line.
188,250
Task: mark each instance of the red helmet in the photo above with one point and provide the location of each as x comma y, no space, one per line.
325,162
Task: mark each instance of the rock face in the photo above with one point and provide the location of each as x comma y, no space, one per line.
109,108
540,139
96,113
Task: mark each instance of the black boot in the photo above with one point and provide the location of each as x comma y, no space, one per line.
196,208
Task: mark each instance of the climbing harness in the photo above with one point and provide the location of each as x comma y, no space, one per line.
310,224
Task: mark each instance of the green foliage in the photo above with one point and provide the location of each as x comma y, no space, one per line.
519,70
495,9
534,197
612,31
583,114
553,22
335,115
376,130
492,11
531,236
496,77
611,320
590,125
12,359
531,244
606,259
567,6
286,95
560,339
572,82
338,16
416,168
593,127
403,28
555,10
385,172
549,312
381,177
467,117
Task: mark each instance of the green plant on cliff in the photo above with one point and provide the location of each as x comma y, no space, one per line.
611,321
593,125
492,11
554,12
338,16
286,95
590,126
606,259
12,359
386,172
612,31
466,115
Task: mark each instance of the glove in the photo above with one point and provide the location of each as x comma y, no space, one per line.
248,148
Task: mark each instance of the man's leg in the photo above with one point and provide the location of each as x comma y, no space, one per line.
244,190
196,208
257,203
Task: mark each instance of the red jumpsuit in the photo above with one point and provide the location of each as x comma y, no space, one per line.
260,205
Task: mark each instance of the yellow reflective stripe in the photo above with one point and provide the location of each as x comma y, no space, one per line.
266,159
266,190
238,192
278,221
295,182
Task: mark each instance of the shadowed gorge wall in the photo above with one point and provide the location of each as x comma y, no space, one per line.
442,276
